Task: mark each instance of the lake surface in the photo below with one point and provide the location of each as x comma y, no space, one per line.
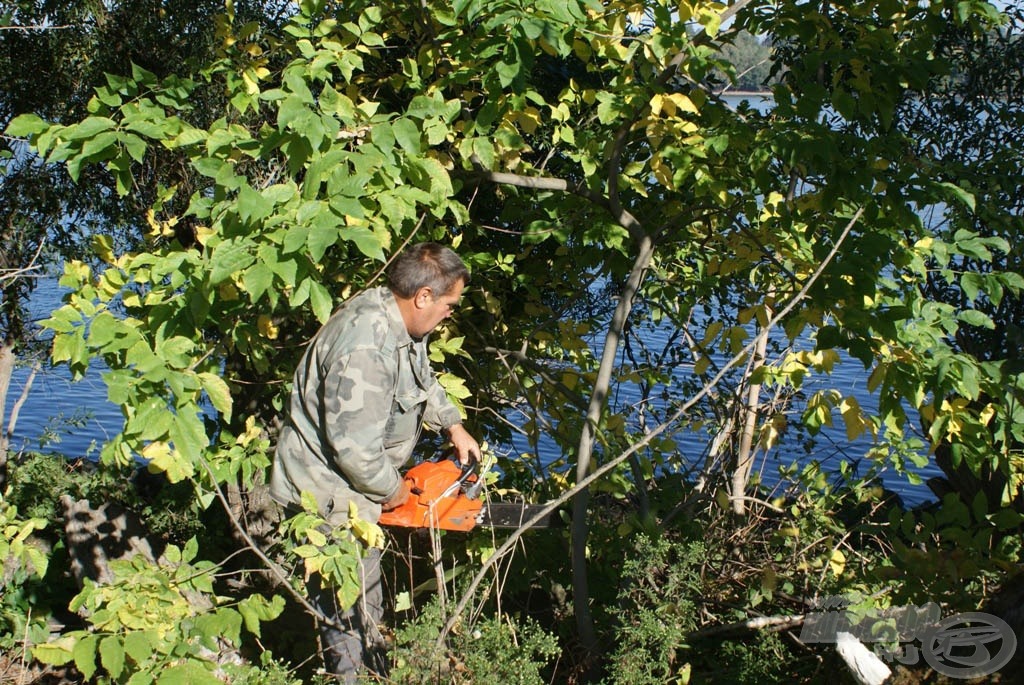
60,415
75,418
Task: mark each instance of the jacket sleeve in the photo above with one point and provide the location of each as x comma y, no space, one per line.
357,398
440,412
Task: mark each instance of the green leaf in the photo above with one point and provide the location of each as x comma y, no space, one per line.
973,317
69,347
176,352
89,128
971,283
228,258
64,320
218,392
151,421
960,194
188,434
112,655
189,673
256,609
55,652
102,146
257,280
253,206
365,240
408,135
321,301
190,136
85,654
138,646
25,125
323,233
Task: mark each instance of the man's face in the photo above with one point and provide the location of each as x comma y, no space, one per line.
431,309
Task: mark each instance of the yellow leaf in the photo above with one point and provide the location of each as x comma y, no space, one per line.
662,172
837,562
683,103
166,460
316,537
657,104
636,14
529,119
853,417
369,533
252,432
250,80
266,327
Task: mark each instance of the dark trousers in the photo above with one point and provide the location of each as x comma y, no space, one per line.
355,648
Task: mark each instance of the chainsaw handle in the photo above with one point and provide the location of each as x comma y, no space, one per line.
466,470
474,488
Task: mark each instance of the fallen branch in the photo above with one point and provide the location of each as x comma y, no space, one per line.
770,623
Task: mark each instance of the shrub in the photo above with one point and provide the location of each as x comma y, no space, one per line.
655,611
496,650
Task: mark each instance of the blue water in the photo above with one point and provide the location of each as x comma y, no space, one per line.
75,418
60,415
831,446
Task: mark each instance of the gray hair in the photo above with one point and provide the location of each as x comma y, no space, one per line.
426,265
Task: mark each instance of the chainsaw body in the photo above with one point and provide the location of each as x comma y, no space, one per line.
437,498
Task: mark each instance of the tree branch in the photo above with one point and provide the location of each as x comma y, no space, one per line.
645,440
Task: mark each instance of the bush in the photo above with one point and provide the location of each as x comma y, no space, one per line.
655,612
497,650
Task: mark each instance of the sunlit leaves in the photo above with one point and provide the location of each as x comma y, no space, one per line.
159,623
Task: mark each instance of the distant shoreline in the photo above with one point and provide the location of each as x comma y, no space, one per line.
746,93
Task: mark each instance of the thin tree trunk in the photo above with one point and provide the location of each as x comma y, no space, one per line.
745,452
6,370
7,360
580,524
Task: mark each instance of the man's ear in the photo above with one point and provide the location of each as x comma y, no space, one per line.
423,297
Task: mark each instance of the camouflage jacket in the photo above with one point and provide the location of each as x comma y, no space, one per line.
361,393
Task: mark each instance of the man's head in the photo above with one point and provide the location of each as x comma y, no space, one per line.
427,280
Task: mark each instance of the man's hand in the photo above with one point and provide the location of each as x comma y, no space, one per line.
398,499
467,449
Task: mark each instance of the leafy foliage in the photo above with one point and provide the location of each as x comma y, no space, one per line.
585,163
656,611
162,623
496,650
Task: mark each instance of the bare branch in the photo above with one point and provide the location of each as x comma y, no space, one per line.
646,439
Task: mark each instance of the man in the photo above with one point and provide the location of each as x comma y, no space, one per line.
362,391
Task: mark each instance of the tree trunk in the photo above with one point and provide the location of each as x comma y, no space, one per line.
6,370
745,450
580,525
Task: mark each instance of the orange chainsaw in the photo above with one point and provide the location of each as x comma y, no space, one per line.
446,495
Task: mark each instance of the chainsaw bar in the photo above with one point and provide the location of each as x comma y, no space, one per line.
515,514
